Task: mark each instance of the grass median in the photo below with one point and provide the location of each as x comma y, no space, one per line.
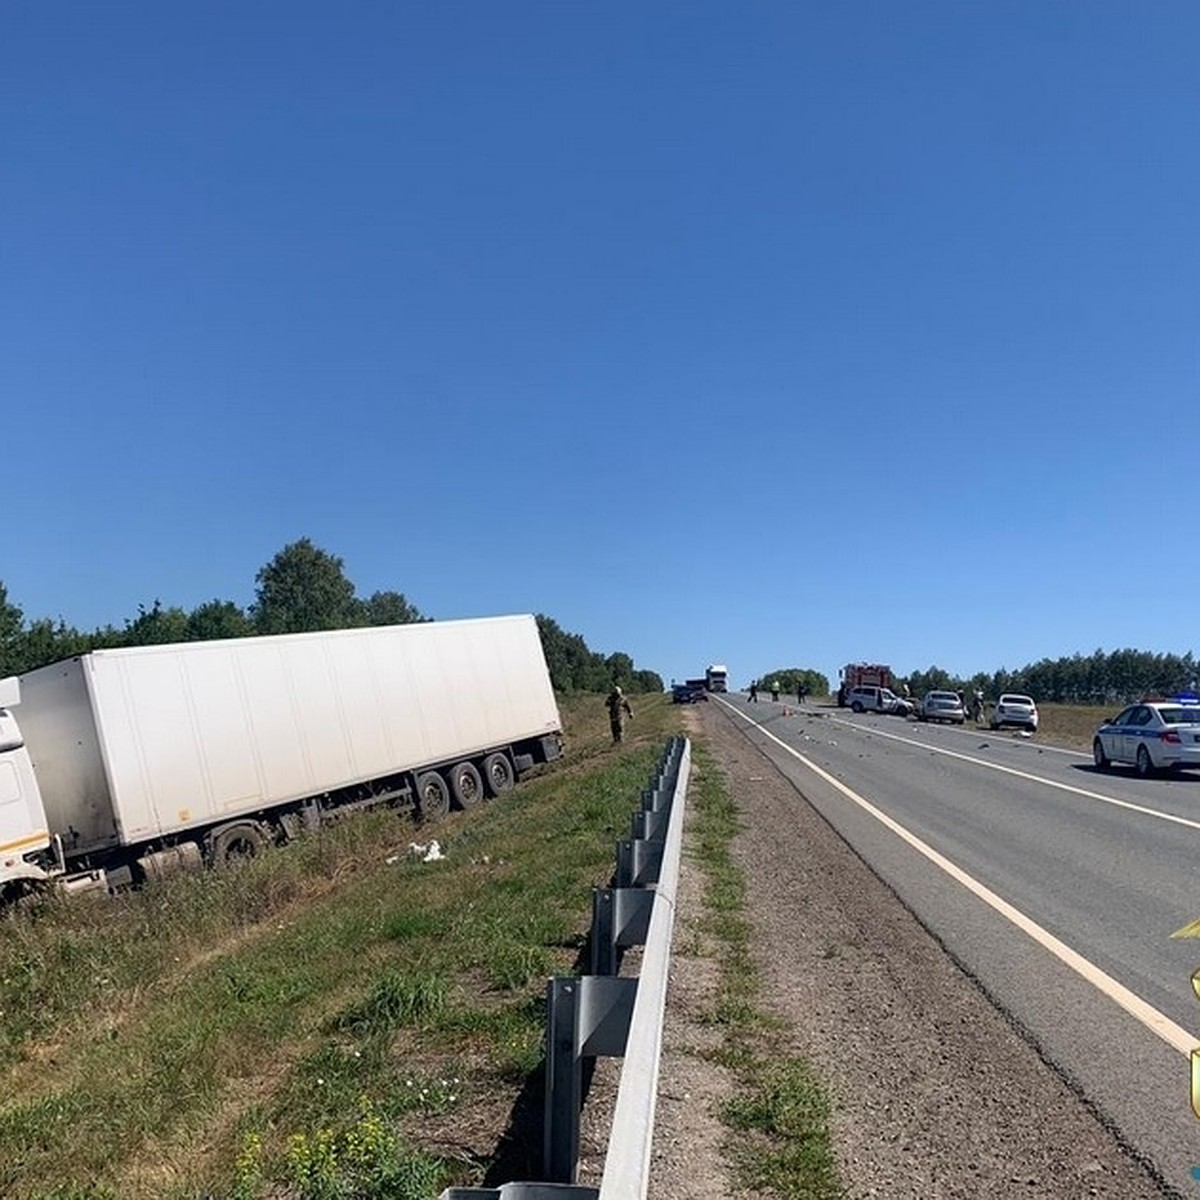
336,1018
779,1119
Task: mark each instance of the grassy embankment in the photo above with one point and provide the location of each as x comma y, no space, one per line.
324,1022
1072,724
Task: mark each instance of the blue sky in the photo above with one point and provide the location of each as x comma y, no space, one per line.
774,334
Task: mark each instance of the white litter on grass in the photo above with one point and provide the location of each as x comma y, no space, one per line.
430,853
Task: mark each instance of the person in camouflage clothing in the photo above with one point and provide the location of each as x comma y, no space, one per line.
618,710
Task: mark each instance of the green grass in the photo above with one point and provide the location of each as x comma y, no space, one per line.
292,1027
780,1114
785,1114
1072,725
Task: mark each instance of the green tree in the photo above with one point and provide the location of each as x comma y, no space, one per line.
303,589
575,668
933,679
387,608
12,631
620,670
156,626
647,681
46,642
816,683
217,619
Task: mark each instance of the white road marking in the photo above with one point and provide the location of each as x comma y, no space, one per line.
1051,783
969,730
1158,1023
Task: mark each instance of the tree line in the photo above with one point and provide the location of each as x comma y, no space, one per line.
789,680
1115,677
575,668
302,589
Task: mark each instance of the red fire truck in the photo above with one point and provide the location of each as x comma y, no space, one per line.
863,675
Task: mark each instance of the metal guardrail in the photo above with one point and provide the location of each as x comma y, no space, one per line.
605,1014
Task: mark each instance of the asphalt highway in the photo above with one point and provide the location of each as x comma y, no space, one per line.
1056,887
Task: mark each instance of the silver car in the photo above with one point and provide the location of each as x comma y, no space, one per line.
942,706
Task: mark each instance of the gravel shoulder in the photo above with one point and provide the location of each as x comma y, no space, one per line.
936,1094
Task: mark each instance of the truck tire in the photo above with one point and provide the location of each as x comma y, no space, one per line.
467,785
498,772
234,843
433,796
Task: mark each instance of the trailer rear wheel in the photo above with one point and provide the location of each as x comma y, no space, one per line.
498,772
467,785
235,843
433,796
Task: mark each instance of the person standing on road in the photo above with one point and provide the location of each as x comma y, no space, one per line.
618,710
800,692
774,689
978,706
754,691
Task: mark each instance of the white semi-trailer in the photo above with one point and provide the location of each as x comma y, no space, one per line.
121,765
716,677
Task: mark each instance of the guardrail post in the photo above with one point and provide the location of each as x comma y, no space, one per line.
638,862
650,824
605,1015
620,918
564,1081
587,1017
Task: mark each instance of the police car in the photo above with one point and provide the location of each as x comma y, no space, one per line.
1156,735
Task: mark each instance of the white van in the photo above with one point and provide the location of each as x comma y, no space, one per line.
877,699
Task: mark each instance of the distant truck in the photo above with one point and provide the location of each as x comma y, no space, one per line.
716,678
123,765
863,675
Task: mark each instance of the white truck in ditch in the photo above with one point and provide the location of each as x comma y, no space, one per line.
121,765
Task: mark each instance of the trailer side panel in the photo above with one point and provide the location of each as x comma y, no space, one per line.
195,733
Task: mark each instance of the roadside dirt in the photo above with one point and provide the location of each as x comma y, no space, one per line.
936,1095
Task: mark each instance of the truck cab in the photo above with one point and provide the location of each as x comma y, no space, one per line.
716,678
24,830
